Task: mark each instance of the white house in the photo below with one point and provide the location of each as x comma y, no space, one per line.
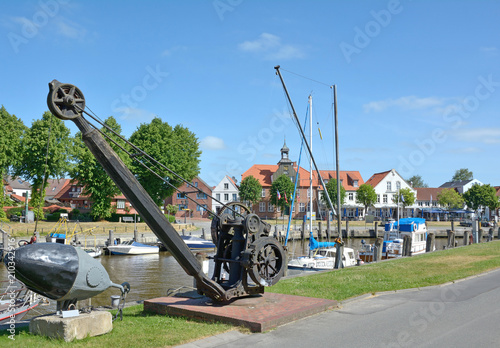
387,185
226,191
461,186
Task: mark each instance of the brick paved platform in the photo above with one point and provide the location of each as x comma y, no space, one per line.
259,314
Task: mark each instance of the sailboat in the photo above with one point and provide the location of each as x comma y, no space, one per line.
322,255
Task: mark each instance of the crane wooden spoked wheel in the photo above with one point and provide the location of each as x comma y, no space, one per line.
65,101
267,262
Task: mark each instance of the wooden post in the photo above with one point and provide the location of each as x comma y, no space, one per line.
111,240
377,249
183,232
498,235
203,233
451,238
480,236
490,235
338,256
276,231
303,232
347,227
453,225
430,243
376,229
466,237
320,234
328,228
406,245
136,235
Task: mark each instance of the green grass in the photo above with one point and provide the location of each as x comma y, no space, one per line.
414,272
138,329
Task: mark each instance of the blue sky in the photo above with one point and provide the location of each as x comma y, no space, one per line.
418,82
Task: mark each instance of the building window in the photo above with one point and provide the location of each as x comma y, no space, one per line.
398,185
263,194
302,207
426,204
385,198
389,186
270,207
226,186
355,183
181,195
378,198
420,204
262,207
226,197
217,196
196,184
351,196
120,204
201,195
308,192
235,197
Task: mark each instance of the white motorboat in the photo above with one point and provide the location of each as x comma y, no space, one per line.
15,302
132,247
394,233
323,259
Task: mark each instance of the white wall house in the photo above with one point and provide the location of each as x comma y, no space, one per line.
226,191
386,185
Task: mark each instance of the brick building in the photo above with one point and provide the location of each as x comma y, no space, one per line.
183,199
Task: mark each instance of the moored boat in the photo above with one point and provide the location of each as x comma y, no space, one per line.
132,247
394,234
15,302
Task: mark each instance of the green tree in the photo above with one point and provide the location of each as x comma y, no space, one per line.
366,195
331,189
417,181
91,175
285,187
462,175
176,148
406,196
250,190
450,199
481,195
12,130
36,164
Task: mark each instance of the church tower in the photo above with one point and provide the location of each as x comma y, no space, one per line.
285,165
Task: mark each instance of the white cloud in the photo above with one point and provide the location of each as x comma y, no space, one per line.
169,51
407,103
127,113
70,29
271,48
212,143
489,49
479,135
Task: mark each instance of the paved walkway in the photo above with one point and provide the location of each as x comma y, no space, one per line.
461,314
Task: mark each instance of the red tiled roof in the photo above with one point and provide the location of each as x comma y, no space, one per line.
264,172
424,193
376,178
18,198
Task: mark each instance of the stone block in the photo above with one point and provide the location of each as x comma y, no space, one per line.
85,325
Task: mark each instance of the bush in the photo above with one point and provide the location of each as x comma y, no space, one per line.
170,218
15,211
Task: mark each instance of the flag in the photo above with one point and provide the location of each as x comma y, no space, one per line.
279,196
402,199
286,201
431,199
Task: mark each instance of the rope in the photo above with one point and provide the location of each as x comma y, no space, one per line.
153,163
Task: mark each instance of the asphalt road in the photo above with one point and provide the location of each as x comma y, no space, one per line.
461,314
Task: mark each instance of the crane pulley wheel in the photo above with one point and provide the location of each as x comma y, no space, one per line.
65,101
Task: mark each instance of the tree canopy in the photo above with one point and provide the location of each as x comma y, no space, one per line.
250,190
176,148
285,187
406,196
417,181
90,174
331,188
450,199
366,196
12,130
481,195
462,175
36,164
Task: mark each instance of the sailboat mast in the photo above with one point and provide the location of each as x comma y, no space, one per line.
311,167
339,208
